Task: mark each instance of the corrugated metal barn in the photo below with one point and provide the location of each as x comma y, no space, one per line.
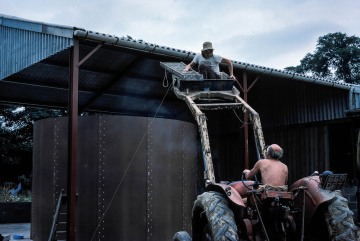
316,121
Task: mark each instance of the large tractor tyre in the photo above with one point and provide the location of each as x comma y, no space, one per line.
213,220
335,222
182,236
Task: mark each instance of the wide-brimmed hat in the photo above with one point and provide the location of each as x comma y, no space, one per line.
207,46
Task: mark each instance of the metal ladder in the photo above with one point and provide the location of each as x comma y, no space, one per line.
203,94
58,228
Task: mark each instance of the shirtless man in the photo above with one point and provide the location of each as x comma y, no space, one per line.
273,171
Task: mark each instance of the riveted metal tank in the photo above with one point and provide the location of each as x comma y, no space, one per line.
135,176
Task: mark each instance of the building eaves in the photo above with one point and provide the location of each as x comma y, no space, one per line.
290,75
140,45
184,55
38,27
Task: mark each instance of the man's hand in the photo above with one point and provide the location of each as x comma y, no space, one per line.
232,77
188,66
246,171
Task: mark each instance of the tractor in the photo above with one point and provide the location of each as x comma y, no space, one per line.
310,209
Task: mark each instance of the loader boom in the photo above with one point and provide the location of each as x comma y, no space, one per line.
190,87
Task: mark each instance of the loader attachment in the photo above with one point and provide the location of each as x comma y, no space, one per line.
220,94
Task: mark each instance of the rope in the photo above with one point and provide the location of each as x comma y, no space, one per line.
165,79
244,123
261,221
128,166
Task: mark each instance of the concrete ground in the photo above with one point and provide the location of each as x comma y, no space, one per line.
11,229
14,230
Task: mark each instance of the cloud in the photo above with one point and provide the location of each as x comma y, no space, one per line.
280,48
271,33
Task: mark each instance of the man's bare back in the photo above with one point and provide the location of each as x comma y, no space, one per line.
273,171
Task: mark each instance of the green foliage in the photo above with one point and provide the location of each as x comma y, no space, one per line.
16,127
22,196
336,56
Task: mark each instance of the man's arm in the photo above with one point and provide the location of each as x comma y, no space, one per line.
230,66
189,66
249,174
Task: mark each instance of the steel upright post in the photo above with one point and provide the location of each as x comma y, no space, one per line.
73,141
246,120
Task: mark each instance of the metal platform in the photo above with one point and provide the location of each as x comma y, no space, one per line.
177,68
191,81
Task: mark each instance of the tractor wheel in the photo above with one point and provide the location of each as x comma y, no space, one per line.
338,219
182,236
213,220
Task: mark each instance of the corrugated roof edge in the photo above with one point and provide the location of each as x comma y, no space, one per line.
187,56
35,26
70,32
128,42
291,75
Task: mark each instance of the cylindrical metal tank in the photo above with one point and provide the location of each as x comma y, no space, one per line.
136,176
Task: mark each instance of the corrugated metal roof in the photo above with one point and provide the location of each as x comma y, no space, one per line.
124,76
188,56
24,43
34,26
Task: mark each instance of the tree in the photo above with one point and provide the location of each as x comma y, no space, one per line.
336,56
16,129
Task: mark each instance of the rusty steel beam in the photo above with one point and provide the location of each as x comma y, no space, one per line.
75,64
255,118
90,54
73,141
246,120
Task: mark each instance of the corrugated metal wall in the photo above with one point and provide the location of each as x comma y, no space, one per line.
282,102
294,115
25,43
306,148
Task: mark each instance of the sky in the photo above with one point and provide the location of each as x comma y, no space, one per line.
270,33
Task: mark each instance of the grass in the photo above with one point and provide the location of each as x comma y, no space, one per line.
22,196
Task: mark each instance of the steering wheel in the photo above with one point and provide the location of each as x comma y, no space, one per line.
254,185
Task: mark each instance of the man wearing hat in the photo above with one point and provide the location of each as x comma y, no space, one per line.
209,63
